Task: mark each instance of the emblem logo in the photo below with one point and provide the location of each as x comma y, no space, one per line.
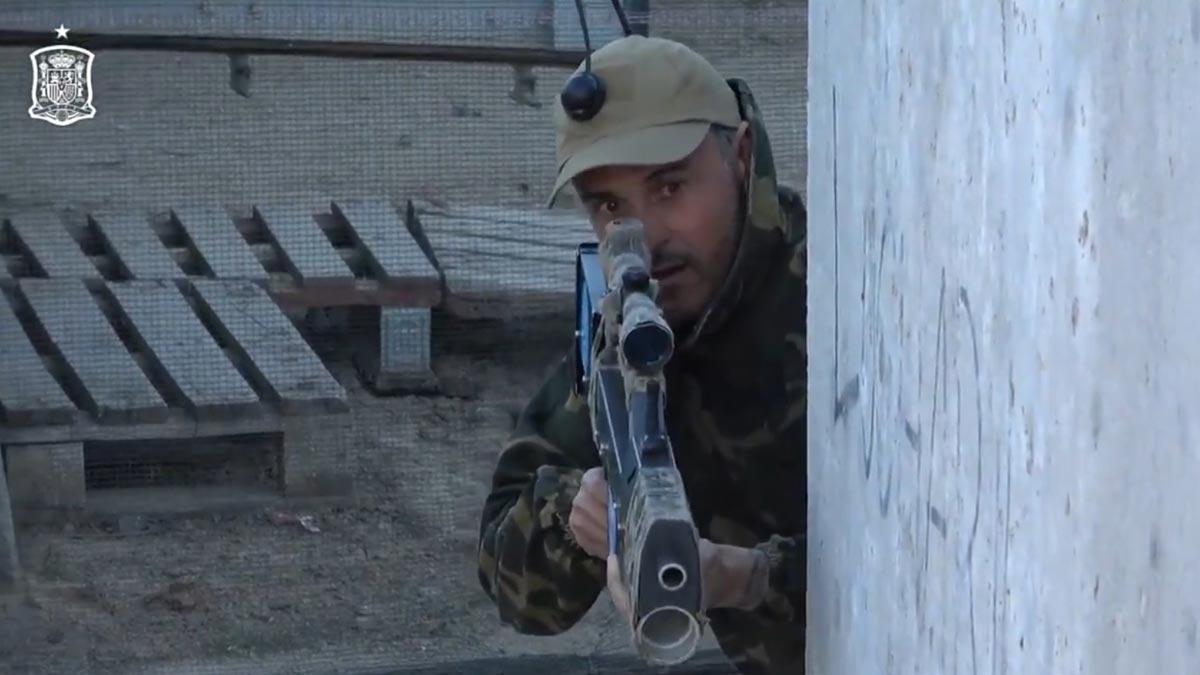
62,84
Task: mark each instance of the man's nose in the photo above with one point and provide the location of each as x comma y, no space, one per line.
655,234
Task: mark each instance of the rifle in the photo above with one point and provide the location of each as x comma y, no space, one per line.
622,345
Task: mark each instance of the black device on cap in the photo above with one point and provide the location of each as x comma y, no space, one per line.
584,94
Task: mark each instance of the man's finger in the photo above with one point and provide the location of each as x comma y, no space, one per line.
582,520
593,479
593,500
588,535
618,592
585,519
595,504
589,543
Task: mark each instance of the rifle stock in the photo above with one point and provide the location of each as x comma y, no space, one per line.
622,344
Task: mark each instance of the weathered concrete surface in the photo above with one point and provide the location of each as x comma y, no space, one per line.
1005,370
45,476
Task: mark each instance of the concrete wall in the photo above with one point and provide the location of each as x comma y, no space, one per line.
1004,355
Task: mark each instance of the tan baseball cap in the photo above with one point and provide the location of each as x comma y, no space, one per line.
661,99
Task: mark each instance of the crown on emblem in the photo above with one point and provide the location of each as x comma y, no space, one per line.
61,60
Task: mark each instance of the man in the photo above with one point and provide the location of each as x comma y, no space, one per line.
684,150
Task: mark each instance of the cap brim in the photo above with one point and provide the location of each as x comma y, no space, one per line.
644,147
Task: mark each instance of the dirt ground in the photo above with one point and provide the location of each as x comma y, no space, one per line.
385,582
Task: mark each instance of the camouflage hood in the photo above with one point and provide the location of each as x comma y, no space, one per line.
763,226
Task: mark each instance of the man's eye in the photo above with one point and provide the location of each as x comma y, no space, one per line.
669,188
605,207
602,210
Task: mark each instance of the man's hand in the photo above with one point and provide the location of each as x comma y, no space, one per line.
589,513
588,523
734,577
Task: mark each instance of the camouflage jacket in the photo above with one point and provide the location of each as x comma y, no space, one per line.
736,404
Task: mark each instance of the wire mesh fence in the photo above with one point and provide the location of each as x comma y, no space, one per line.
247,424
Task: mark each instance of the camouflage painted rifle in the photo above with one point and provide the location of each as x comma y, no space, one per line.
622,344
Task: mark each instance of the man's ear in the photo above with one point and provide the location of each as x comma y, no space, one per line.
743,143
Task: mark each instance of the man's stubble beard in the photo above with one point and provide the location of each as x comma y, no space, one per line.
682,325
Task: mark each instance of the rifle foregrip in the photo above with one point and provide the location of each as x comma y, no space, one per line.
662,566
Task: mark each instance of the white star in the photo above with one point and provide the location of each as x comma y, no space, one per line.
62,31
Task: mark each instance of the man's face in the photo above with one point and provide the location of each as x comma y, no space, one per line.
690,211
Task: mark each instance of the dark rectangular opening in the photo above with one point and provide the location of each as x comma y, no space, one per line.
246,461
